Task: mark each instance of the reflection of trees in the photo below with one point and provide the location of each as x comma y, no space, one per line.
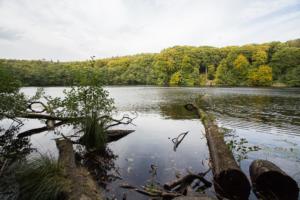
101,165
275,110
240,106
267,109
175,111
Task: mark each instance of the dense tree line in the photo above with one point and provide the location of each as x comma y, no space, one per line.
249,65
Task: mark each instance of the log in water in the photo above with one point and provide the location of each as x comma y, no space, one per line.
82,185
270,182
229,180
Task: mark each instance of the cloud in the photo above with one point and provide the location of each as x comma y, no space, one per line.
75,29
8,34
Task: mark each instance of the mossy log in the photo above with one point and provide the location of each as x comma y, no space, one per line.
229,181
82,185
270,182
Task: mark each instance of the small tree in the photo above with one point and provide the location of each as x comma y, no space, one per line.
87,108
240,70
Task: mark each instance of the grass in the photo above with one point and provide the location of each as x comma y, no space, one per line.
42,179
94,137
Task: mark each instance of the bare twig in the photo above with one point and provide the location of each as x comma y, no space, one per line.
37,111
125,120
176,141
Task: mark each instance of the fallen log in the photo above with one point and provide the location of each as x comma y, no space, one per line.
82,187
38,130
114,135
64,121
229,181
270,182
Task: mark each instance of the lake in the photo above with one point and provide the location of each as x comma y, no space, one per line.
268,118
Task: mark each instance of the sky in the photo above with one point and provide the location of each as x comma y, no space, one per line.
78,29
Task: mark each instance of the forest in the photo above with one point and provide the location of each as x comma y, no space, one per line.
267,64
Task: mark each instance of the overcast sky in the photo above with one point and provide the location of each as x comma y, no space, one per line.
78,29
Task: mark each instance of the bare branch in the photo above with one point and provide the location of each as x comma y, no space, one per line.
125,120
177,140
37,111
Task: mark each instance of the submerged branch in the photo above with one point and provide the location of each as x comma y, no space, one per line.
38,130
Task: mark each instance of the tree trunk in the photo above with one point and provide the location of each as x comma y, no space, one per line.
270,182
83,187
229,180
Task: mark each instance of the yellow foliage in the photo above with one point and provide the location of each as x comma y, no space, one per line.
259,58
175,79
241,62
262,76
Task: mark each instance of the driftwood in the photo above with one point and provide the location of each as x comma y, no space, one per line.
82,186
183,183
177,140
270,182
152,192
229,181
179,187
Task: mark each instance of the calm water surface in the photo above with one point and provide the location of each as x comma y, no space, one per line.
268,118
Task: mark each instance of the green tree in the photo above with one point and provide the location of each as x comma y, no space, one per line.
293,77
211,72
284,61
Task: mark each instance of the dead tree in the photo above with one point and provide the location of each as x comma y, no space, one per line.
229,181
270,182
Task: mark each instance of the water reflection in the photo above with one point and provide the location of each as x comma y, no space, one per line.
150,145
101,165
268,118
